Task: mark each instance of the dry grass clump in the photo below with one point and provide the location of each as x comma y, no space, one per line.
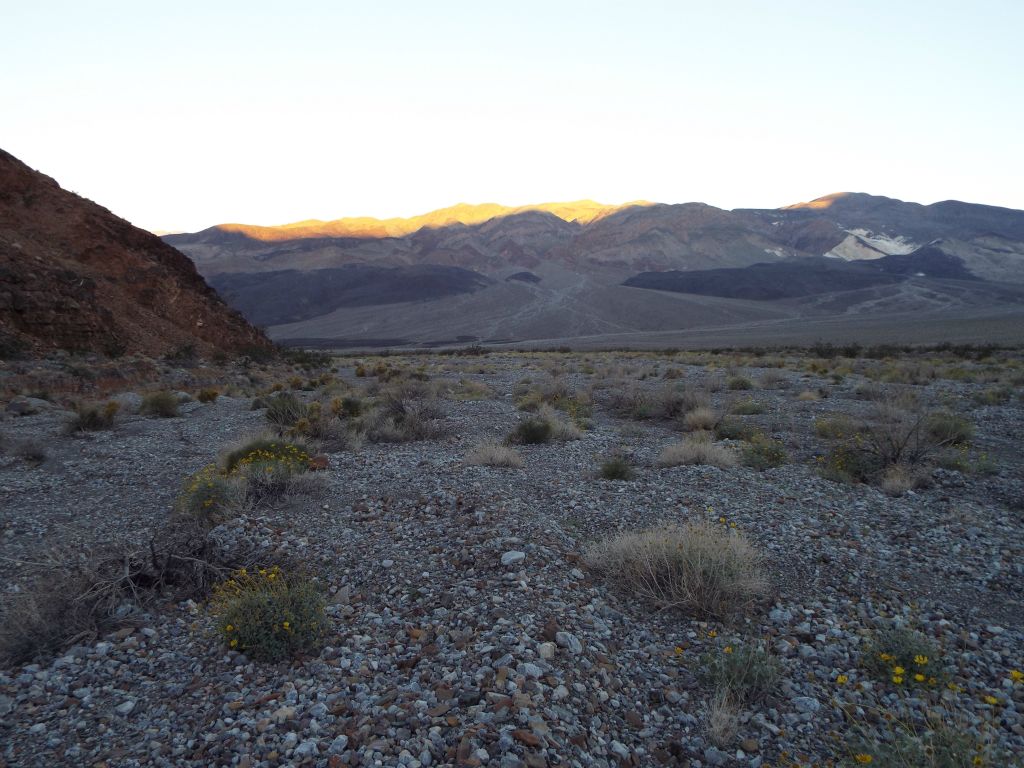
92,417
701,417
697,567
722,719
468,389
696,451
493,454
269,614
738,383
809,395
285,410
836,427
561,430
162,405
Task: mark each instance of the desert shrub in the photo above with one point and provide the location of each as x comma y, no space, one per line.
897,479
809,395
208,395
616,467
773,379
397,419
906,745
468,389
993,396
749,673
700,418
492,454
29,450
738,383
531,431
348,407
81,593
209,497
945,428
331,432
904,658
734,429
696,451
835,427
761,452
847,463
91,417
640,404
162,405
747,407
266,467
561,430
285,410
269,615
870,392
700,568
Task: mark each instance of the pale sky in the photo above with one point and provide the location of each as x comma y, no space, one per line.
183,114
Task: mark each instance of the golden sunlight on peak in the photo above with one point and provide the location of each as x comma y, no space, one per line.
818,203
580,211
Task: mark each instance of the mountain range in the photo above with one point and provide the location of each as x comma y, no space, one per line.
638,271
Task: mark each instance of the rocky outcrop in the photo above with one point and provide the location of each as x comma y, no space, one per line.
75,276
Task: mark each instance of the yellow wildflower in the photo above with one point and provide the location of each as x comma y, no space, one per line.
898,670
286,625
233,642
713,633
1016,675
721,520
862,758
919,677
897,679
229,628
727,649
920,660
991,700
842,679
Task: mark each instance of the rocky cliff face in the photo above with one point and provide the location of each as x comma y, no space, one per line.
75,276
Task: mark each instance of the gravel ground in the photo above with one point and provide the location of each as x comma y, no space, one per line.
466,628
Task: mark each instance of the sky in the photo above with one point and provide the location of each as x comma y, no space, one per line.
181,115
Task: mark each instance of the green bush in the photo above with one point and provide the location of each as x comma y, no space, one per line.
92,417
749,673
531,432
270,615
763,453
162,405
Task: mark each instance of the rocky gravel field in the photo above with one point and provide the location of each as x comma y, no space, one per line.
467,625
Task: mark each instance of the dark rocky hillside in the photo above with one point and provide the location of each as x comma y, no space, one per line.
75,276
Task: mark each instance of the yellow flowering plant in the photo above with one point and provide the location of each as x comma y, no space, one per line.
269,614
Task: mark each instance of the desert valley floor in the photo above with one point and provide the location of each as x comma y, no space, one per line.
456,517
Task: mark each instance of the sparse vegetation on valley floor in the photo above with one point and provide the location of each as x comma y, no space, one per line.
775,555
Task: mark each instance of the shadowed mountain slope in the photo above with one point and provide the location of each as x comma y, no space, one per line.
75,276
